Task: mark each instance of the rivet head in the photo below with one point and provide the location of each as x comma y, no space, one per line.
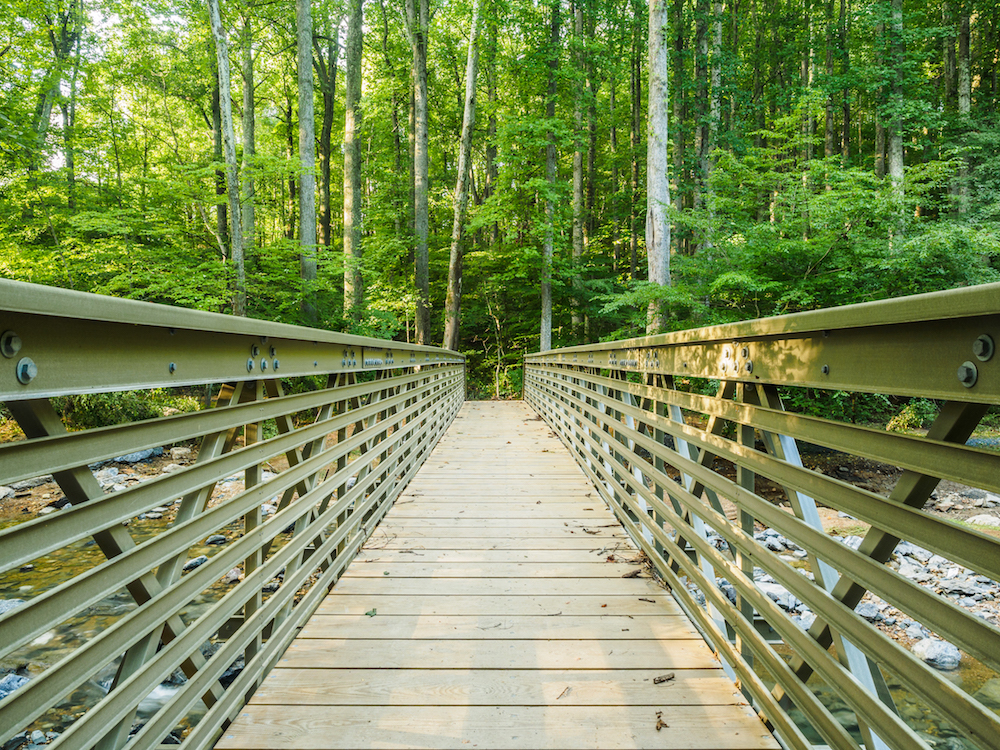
276,364
172,367
10,344
826,369
263,365
745,352
749,366
983,347
273,352
968,374
250,365
27,370
254,350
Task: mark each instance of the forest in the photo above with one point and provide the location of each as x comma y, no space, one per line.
478,173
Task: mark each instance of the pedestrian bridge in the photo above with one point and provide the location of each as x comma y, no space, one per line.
635,556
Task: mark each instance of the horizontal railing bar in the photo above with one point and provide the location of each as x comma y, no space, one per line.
831,730
117,705
971,548
31,458
21,624
40,536
958,463
974,720
36,299
966,302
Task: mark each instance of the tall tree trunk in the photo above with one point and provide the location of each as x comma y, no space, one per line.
221,213
714,117
577,233
326,69
679,41
635,80
453,303
292,189
249,217
879,114
229,149
418,12
829,147
492,174
657,180
948,73
845,71
964,100
702,103
545,326
69,123
616,250
307,160
896,121
353,281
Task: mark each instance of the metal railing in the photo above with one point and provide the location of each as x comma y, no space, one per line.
690,476
291,484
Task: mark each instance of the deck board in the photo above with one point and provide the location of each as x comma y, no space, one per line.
489,611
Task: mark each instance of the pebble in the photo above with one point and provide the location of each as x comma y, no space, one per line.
37,737
267,509
192,564
171,468
216,539
233,576
153,516
869,611
180,452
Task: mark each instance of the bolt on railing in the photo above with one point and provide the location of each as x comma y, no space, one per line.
687,437
189,585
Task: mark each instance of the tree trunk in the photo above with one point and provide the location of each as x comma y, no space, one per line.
492,174
845,72
229,149
248,217
964,101
679,114
896,121
635,80
616,250
545,327
948,56
879,114
353,281
221,213
326,69
292,186
69,124
657,180
577,235
714,117
417,12
453,303
307,160
828,134
702,103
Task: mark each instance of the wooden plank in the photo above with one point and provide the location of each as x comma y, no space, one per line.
263,727
488,687
493,570
499,627
491,511
383,540
515,525
413,653
499,586
424,556
492,531
339,603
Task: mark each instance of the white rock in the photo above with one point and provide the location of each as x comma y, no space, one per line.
180,452
5,492
984,519
171,468
939,654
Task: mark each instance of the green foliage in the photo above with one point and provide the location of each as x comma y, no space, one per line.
88,410
917,413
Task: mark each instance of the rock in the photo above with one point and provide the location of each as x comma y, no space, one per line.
132,458
216,539
18,740
915,632
944,506
973,493
179,453
984,519
5,492
37,737
869,611
271,586
51,736
46,510
939,654
233,576
196,562
912,571
938,563
11,682
780,595
158,509
28,484
989,694
848,516
805,620
774,544
267,509
171,468
911,550
153,516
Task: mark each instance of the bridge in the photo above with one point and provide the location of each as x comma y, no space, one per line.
635,556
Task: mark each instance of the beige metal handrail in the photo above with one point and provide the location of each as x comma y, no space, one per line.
311,473
687,475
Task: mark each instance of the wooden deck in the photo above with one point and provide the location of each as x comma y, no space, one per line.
489,611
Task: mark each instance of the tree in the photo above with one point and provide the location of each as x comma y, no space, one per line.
229,147
657,182
307,159
353,282
417,15
453,303
545,324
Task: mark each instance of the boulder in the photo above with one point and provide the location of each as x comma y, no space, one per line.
6,605
179,453
869,611
196,562
984,519
11,682
131,458
216,539
939,654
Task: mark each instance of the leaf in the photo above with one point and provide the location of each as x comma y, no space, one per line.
371,612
